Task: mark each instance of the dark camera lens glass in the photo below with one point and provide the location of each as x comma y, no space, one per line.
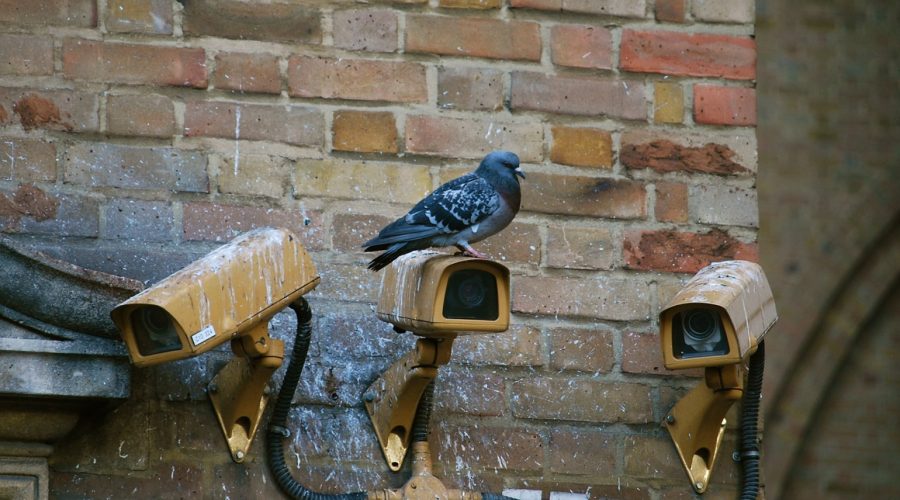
154,331
698,333
471,294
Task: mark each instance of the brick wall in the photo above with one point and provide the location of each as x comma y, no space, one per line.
136,136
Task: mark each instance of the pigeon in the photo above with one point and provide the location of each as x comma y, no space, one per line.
460,212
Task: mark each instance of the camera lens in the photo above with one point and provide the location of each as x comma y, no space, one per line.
699,333
154,331
471,294
699,326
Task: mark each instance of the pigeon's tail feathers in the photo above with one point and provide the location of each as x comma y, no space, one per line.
392,252
400,232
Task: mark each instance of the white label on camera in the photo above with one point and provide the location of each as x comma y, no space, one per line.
203,335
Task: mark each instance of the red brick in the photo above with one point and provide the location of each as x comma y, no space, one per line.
73,13
247,73
581,147
489,447
520,346
717,105
470,88
671,202
373,30
671,251
584,400
460,390
365,80
578,195
470,4
473,37
590,452
365,132
622,8
577,95
581,46
571,247
27,160
140,16
140,114
686,54
581,349
218,222
66,110
642,354
666,154
468,138
137,220
26,55
276,22
597,297
261,122
136,167
130,63
670,11
651,457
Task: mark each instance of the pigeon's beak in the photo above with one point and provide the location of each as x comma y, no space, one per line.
519,172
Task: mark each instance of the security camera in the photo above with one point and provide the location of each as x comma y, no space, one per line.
219,297
716,322
230,294
433,294
718,318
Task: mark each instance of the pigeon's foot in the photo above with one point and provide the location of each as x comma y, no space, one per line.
471,252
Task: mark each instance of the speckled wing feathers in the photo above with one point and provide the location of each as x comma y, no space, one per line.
457,205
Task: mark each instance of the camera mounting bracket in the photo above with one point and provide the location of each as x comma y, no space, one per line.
238,392
393,398
697,422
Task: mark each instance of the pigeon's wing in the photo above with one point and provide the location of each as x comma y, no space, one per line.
453,207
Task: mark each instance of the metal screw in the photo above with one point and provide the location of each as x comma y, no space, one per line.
369,396
670,419
698,485
213,388
239,455
736,456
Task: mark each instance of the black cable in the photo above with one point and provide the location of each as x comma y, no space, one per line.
277,430
749,421
423,415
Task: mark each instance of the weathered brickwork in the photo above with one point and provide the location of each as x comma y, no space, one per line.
161,129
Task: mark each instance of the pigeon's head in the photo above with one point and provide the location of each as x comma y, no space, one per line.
503,163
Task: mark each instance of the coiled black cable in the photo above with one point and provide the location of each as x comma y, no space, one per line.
423,415
277,430
749,421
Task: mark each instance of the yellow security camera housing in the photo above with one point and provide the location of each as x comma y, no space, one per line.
434,295
719,317
230,294
221,296
716,321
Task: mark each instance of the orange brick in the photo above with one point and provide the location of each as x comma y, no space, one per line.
687,54
668,103
129,63
359,79
671,202
247,73
581,46
717,105
365,132
581,147
473,37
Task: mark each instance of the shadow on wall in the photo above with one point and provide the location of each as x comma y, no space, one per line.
829,209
